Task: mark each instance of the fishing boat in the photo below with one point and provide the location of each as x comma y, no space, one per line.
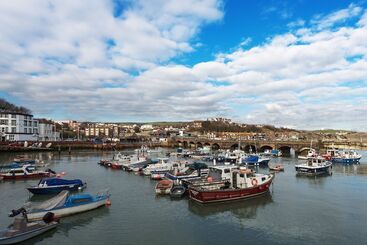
242,183
346,157
256,160
162,165
314,166
177,191
22,230
64,204
192,171
163,187
56,185
277,168
26,172
310,154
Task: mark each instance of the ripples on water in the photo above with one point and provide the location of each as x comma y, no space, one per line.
298,210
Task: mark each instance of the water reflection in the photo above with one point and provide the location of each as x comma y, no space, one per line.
242,209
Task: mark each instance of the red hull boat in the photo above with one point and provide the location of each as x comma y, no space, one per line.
25,172
241,185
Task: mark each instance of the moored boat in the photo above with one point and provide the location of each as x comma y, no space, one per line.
26,172
243,183
178,191
346,157
192,171
256,160
163,187
277,168
56,185
22,230
64,204
314,166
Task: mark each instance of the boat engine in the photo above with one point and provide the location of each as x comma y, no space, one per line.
49,217
15,212
50,171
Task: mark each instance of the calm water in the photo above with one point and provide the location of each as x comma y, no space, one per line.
299,210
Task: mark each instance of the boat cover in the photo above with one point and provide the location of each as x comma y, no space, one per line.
49,204
58,181
251,159
198,165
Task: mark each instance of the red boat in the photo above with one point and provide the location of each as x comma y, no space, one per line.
243,183
25,172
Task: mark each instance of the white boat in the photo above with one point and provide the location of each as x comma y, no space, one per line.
162,165
64,204
310,154
314,166
22,230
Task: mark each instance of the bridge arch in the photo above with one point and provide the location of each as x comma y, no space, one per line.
265,147
215,146
207,144
199,145
286,150
250,148
234,147
185,144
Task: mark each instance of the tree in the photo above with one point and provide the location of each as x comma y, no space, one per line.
6,106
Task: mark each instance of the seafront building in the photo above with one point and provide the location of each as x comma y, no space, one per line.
16,126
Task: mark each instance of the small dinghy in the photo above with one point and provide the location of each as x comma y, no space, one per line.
163,187
22,230
56,185
277,168
64,204
177,191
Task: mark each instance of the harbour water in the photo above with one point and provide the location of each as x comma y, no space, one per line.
298,210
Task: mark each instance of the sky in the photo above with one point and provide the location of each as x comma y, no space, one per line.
297,63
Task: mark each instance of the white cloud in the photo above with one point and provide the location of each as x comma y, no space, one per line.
85,63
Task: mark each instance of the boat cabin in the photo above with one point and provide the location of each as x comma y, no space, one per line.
315,161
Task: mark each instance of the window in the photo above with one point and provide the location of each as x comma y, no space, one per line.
3,122
2,130
11,137
227,170
25,130
35,123
13,116
35,131
13,130
13,122
25,123
4,115
30,130
242,175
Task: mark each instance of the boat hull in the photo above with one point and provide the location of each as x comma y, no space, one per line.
52,189
61,212
25,176
27,235
206,196
302,170
345,160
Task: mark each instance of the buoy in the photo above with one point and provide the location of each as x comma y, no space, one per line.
58,175
108,202
63,173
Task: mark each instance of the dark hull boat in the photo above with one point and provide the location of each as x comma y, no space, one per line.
177,191
56,185
314,166
26,172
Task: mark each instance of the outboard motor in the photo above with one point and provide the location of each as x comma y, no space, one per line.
15,212
49,217
51,171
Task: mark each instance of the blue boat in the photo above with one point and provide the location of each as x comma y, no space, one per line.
255,160
345,157
56,185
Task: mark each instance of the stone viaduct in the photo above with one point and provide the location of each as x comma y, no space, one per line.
286,147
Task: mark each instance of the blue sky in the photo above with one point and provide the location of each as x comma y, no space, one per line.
299,64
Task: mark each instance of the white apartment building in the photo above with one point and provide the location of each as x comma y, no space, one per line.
47,131
18,126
